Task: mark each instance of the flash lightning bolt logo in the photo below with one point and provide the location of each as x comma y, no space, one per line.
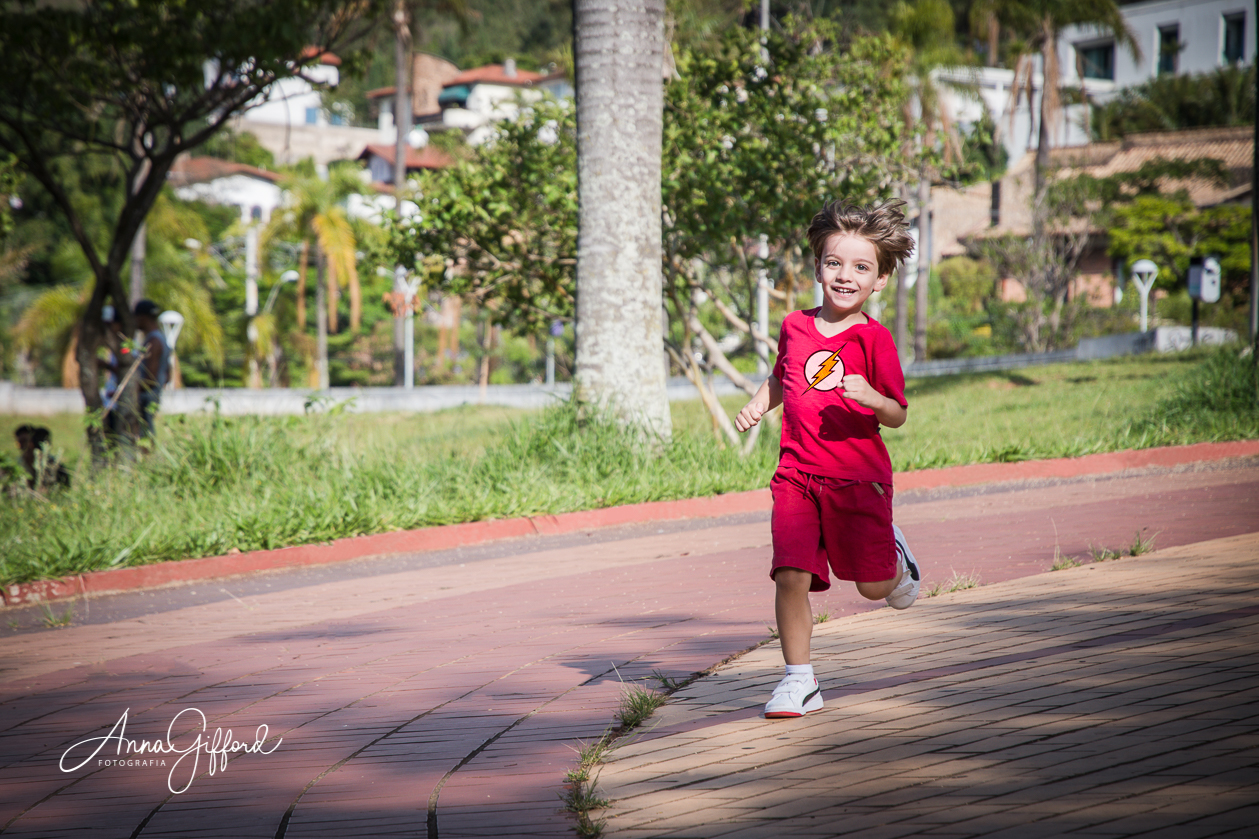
824,370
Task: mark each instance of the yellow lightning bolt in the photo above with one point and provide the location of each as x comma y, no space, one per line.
825,370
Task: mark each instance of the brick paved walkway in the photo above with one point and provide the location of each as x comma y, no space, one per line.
445,700
1107,700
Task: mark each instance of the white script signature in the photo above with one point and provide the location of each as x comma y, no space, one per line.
217,747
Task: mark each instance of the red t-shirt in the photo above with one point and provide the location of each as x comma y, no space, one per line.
823,433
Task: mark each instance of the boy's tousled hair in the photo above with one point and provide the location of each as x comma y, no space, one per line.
882,224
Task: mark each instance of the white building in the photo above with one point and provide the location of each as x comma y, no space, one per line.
295,101
255,191
1174,36
967,91
476,99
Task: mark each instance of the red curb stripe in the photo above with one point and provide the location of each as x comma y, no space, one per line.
443,537
1072,467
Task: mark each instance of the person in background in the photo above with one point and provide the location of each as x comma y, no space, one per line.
155,368
42,469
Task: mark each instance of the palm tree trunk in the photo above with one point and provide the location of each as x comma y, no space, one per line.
303,261
331,284
356,301
321,320
620,106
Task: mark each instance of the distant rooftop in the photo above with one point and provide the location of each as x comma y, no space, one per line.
199,170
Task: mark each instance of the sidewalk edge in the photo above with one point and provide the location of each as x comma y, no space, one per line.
444,537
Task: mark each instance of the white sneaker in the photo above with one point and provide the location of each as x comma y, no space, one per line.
795,696
904,595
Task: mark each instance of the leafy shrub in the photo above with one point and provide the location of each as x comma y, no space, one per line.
1219,401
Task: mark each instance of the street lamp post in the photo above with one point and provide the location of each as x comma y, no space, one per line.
289,276
172,322
408,333
1144,273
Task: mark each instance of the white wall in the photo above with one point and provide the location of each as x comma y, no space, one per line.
1201,36
1016,124
287,101
241,191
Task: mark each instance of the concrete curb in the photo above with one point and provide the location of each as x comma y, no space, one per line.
444,537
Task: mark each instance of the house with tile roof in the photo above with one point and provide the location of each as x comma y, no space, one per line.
380,159
962,216
476,99
429,74
255,191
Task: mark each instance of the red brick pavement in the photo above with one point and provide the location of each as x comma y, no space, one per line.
477,681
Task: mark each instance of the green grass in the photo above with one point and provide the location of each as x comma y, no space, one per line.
957,582
215,484
637,704
1063,410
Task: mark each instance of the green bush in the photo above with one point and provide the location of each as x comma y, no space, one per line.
967,282
1218,401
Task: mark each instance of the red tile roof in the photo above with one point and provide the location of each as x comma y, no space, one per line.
199,170
425,158
324,57
494,74
1234,147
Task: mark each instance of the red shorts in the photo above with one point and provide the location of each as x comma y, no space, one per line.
823,522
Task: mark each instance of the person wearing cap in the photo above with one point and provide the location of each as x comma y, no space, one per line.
155,368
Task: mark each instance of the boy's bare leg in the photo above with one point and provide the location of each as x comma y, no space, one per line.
877,591
791,608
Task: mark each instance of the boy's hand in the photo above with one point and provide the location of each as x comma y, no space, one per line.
750,415
859,390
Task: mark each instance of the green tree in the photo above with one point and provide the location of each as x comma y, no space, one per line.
755,147
501,227
138,84
178,279
314,216
1170,230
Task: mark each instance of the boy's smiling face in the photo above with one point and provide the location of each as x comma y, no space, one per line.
849,274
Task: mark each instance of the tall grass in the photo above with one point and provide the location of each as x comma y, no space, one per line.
218,484
214,484
1218,401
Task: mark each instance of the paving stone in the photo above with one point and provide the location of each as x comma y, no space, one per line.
483,679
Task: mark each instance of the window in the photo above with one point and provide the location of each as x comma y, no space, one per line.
1234,38
1097,61
1168,48
312,116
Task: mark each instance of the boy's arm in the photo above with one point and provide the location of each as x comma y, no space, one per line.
768,397
887,411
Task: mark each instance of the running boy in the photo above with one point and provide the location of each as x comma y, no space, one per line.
838,379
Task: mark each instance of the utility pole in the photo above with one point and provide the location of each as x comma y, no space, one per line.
402,125
321,321
1254,232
